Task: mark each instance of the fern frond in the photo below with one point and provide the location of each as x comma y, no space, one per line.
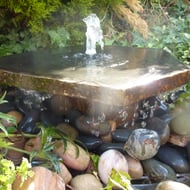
134,20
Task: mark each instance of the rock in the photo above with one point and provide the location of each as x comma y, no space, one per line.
65,174
88,126
108,160
142,144
28,123
72,116
135,168
17,142
60,105
33,144
50,118
108,137
171,185
158,171
121,135
181,124
91,142
42,179
108,146
16,115
73,155
68,130
86,182
6,107
179,140
174,158
161,127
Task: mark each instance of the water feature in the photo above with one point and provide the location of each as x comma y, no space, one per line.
107,82
94,34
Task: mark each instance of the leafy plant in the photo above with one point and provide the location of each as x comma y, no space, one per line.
6,117
8,172
58,37
26,14
47,135
173,37
95,159
118,179
183,99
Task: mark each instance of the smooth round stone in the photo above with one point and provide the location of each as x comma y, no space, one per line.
108,137
110,146
171,185
16,115
68,130
121,135
72,116
90,142
174,158
22,107
142,144
31,128
160,127
43,178
86,182
158,171
49,118
6,107
64,173
135,168
166,117
161,110
28,123
34,144
88,126
73,155
181,124
60,104
109,160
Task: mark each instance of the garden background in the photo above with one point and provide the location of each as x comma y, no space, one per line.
29,25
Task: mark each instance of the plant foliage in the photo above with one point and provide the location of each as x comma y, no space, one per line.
119,179
26,14
172,36
8,172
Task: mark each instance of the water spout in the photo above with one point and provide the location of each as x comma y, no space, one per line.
94,34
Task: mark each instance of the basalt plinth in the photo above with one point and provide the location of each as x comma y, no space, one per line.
120,76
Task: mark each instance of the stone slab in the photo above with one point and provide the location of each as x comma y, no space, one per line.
119,76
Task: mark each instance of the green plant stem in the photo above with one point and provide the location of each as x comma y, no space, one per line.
24,152
3,135
17,149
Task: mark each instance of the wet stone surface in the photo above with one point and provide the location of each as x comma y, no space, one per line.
119,76
100,101
152,113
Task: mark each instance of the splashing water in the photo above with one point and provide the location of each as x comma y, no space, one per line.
94,34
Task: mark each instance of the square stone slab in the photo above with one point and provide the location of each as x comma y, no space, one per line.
118,76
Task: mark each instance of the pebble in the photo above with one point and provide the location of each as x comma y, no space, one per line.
86,182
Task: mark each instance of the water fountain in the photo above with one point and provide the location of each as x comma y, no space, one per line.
109,82
94,34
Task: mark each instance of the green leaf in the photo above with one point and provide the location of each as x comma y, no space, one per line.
7,174
23,170
119,179
95,158
2,98
11,129
4,129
